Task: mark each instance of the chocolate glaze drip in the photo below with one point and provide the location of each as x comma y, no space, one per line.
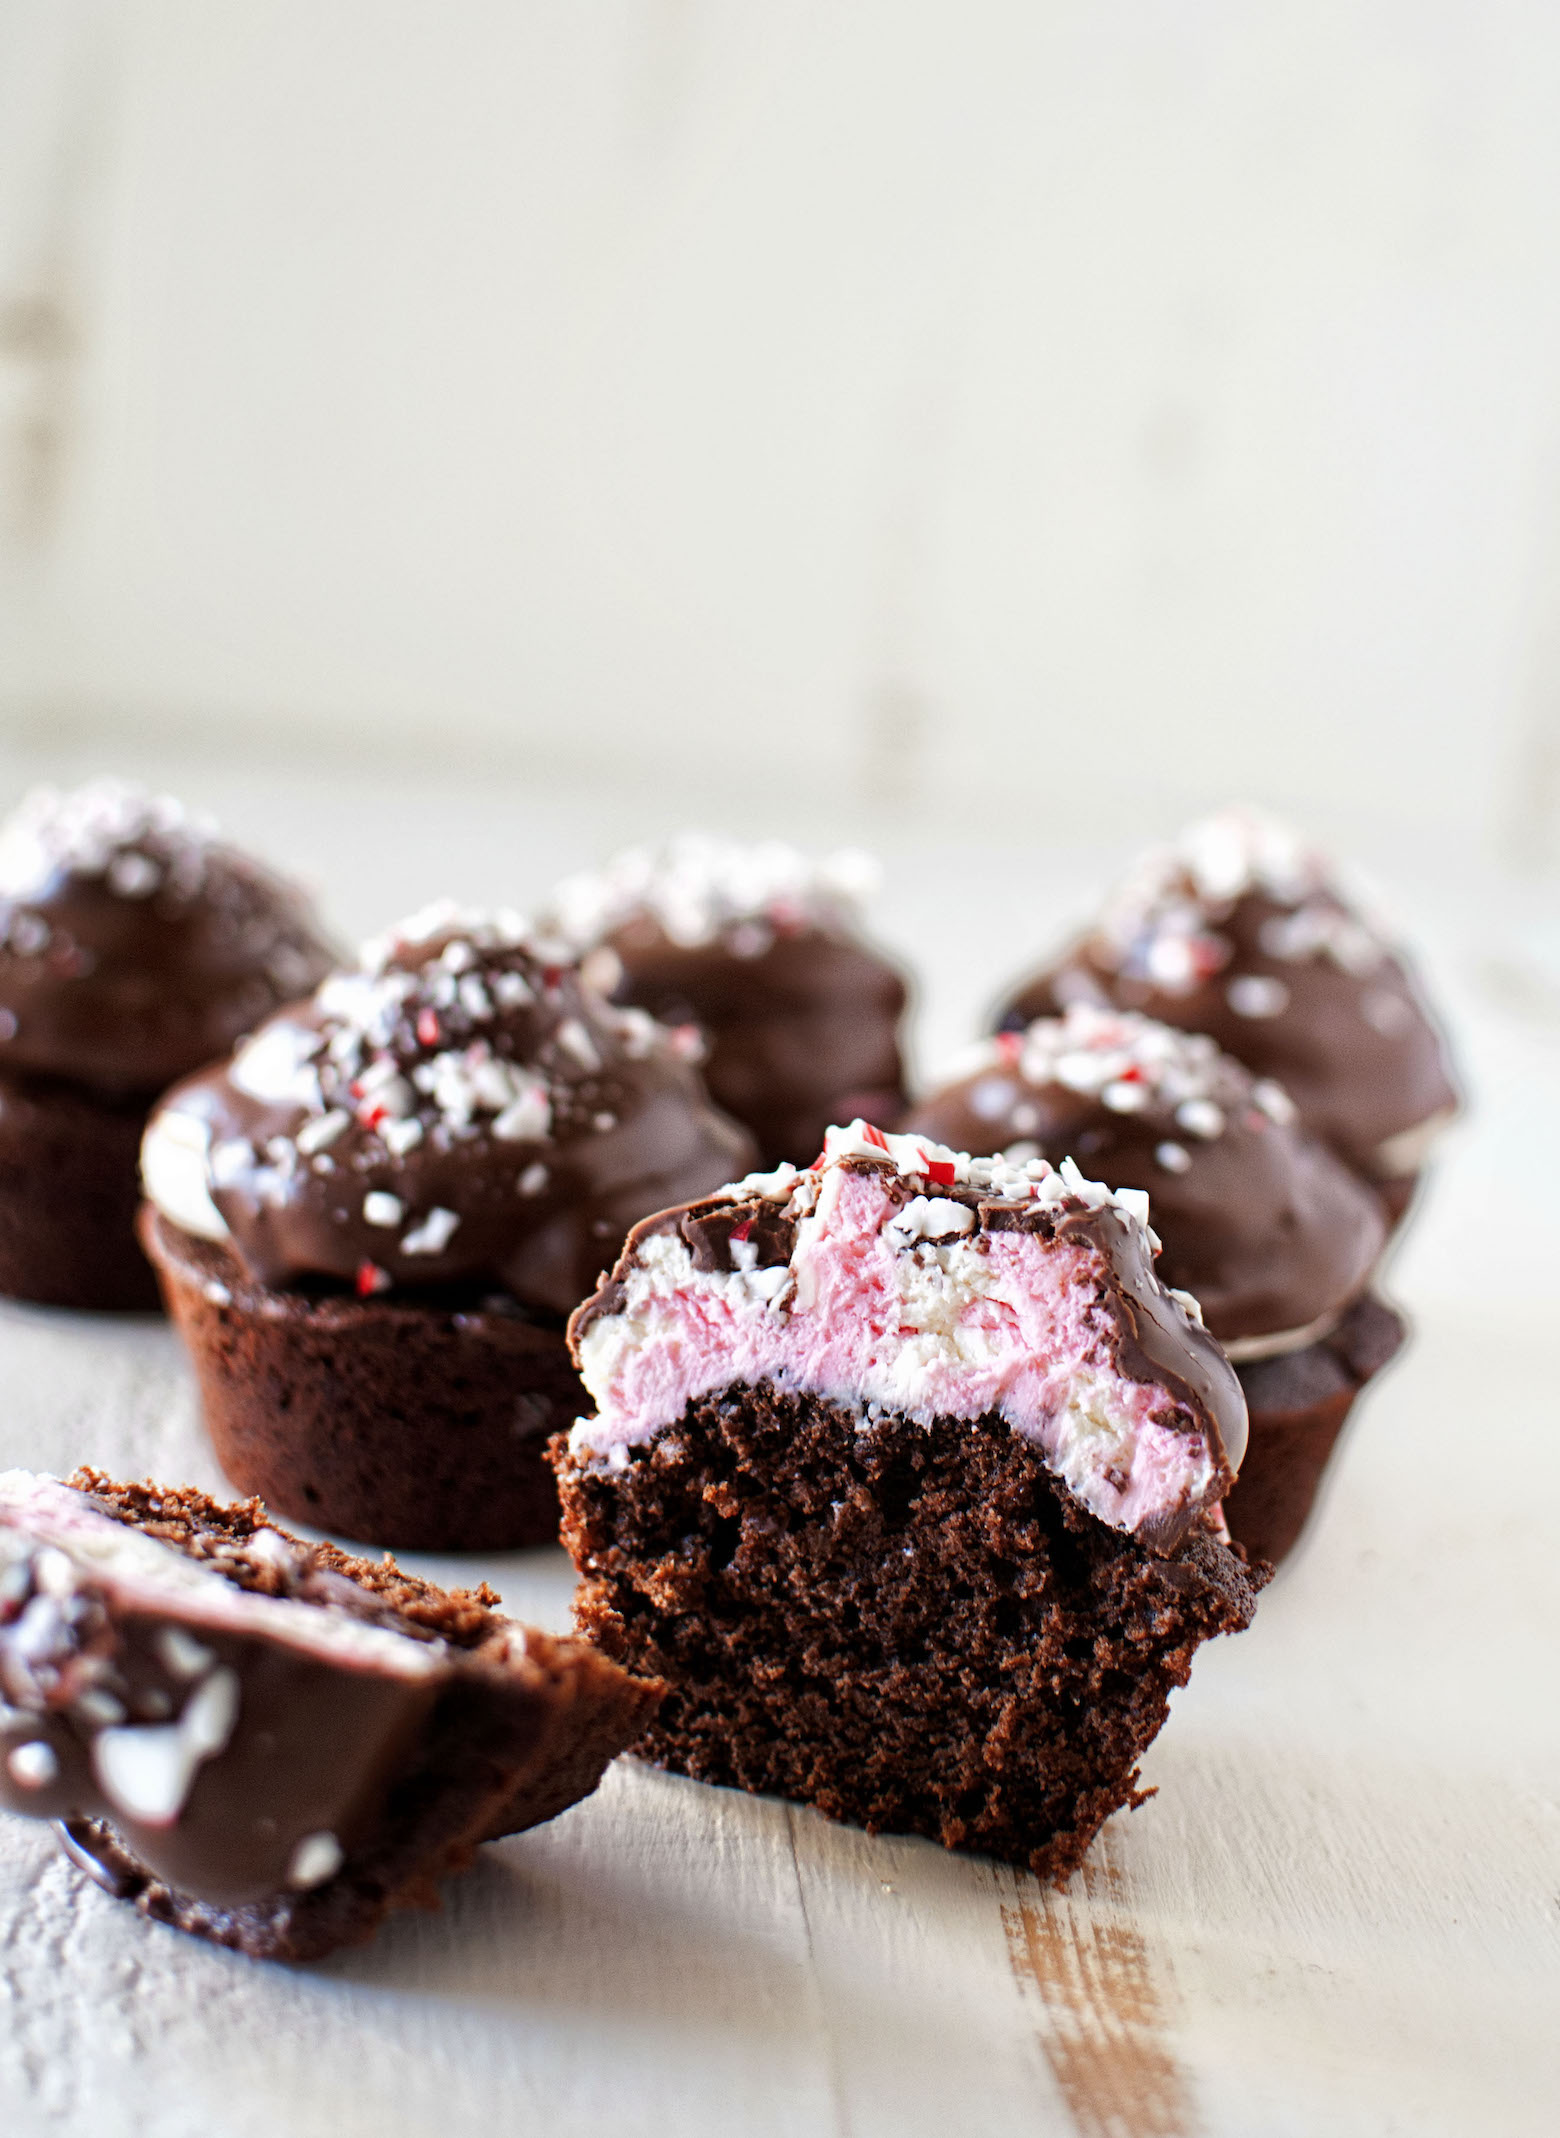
511,1123
1155,1341
1353,1044
127,966
801,1022
1262,1224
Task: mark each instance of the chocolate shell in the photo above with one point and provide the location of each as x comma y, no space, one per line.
457,1112
133,944
1240,932
756,953
1270,1232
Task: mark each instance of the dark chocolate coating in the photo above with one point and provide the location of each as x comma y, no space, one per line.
802,1035
631,1130
1156,1341
1298,1405
420,1423
69,1190
1264,1226
1357,1052
409,1773
123,994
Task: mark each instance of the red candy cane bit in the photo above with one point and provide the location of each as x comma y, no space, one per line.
874,1136
1010,1045
371,1278
942,1170
1134,1075
817,1164
428,1032
740,1232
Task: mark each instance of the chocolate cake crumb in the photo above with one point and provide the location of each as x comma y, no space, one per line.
912,1627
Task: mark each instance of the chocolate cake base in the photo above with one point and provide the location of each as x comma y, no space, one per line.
508,1745
417,1424
915,1629
1298,1405
69,1190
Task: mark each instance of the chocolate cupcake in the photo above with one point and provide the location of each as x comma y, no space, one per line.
903,1476
264,1742
1272,1234
755,954
1241,932
371,1224
134,945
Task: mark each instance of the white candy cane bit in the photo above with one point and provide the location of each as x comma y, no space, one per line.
1257,995
316,1858
318,1134
382,1209
433,1235
33,1766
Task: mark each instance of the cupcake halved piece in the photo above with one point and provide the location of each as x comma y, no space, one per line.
1242,932
134,945
755,952
1270,1231
371,1223
265,1742
904,1475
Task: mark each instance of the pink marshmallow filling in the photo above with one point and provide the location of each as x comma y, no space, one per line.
956,1327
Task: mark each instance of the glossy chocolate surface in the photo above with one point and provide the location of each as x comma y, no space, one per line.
1259,1221
1262,953
754,949
133,945
801,1024
219,1752
459,1110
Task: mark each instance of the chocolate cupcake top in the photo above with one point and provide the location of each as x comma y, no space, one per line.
457,1109
1264,1225
898,1275
134,944
755,951
1241,932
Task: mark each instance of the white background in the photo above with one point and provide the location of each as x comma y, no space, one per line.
1012,409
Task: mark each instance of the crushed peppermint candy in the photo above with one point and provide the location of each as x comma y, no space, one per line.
135,842
999,1179
435,1040
700,889
1131,1064
1162,922
433,1235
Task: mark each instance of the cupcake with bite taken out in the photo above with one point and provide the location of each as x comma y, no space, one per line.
371,1224
1242,932
134,945
1272,1234
755,954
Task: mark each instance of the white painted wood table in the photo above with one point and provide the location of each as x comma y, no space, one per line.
1340,1914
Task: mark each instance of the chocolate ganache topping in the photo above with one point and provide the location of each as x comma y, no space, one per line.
458,1109
1262,1224
1240,932
754,953
133,944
